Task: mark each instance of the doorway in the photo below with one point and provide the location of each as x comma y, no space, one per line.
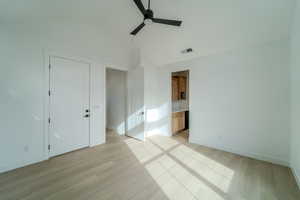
125,112
116,100
69,105
180,104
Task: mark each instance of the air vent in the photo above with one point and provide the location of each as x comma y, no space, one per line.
189,50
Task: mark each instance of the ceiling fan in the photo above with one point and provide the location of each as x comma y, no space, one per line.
149,18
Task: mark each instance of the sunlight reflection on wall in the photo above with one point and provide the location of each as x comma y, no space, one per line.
135,119
157,121
157,114
121,129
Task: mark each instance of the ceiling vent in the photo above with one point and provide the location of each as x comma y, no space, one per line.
189,50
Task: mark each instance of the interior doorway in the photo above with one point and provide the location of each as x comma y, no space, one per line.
125,110
116,92
180,104
69,105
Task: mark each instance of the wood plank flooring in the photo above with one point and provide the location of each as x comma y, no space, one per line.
160,168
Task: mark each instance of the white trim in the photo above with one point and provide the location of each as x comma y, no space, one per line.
90,97
171,102
256,156
104,105
49,97
21,164
296,175
46,103
47,55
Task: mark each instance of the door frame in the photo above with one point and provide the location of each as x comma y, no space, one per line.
47,62
170,72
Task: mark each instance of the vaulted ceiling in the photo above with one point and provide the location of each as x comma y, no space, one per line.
209,26
213,26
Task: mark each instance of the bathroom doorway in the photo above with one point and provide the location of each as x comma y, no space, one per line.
180,104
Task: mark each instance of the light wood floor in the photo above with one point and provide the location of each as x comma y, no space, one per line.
161,168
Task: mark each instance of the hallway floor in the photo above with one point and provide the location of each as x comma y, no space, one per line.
160,168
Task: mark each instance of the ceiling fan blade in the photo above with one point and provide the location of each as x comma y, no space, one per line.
140,5
167,21
135,31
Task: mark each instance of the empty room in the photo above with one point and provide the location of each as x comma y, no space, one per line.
150,100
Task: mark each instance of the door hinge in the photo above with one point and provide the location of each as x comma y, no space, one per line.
49,66
49,120
49,147
49,93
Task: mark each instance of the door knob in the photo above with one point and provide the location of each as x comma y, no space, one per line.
87,115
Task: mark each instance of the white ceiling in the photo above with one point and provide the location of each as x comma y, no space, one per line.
209,26
114,16
213,26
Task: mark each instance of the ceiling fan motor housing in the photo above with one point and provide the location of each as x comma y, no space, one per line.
148,14
149,18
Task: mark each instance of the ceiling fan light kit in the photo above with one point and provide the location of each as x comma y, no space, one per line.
149,18
148,21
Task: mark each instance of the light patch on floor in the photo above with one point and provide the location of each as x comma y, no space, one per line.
177,182
169,163
212,171
163,142
144,151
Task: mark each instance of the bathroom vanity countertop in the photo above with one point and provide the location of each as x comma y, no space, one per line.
177,111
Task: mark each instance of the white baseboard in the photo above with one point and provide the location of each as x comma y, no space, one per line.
27,163
246,154
20,165
296,175
98,143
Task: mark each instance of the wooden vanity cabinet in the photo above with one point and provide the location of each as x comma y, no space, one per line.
178,122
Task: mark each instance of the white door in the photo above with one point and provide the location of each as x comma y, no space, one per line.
135,101
69,105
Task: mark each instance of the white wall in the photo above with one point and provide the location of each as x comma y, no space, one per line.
295,94
157,100
212,27
116,100
239,101
22,84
